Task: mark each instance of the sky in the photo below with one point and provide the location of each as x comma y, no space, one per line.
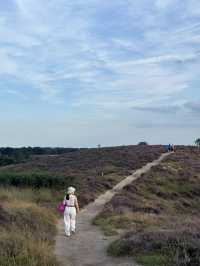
78,73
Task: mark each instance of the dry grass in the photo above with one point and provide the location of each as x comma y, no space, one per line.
27,230
19,248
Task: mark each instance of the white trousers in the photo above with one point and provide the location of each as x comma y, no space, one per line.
70,220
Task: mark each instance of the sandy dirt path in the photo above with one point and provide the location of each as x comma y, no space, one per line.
88,246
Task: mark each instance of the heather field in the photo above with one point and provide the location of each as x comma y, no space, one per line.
100,136
98,169
157,217
30,192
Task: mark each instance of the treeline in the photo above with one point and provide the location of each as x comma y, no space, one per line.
10,155
34,180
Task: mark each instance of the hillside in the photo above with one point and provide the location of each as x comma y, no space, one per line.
30,192
98,169
159,214
10,155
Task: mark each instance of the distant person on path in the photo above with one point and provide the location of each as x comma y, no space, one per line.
71,208
170,147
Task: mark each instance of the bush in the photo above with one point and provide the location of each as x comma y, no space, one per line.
6,160
165,248
34,179
143,143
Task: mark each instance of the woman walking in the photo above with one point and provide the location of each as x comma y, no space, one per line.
71,208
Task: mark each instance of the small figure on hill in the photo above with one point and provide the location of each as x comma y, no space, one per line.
170,147
197,142
71,209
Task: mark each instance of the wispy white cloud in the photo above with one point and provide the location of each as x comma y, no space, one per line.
75,53
163,109
193,106
7,66
64,48
160,4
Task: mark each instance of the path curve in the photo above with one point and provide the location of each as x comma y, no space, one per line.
88,246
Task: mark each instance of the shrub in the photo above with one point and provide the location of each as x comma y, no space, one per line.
165,248
143,143
33,179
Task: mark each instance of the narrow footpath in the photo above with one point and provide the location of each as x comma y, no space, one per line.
88,246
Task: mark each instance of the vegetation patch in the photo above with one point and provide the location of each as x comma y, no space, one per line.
159,213
10,155
33,179
152,259
19,248
99,169
164,248
27,230
32,187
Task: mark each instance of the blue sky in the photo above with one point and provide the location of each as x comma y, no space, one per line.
83,72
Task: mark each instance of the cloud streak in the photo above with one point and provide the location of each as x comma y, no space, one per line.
158,109
76,56
193,106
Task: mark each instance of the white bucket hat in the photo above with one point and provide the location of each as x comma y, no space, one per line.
71,190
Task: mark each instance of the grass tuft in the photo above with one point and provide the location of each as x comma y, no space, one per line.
27,230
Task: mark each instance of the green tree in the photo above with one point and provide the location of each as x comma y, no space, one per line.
197,142
143,143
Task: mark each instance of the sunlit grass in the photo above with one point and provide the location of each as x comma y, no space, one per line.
27,228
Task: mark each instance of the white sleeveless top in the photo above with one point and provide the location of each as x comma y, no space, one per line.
71,201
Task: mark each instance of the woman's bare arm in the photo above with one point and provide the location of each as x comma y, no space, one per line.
77,205
64,200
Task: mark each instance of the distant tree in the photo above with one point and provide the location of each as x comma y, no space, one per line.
197,142
143,143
